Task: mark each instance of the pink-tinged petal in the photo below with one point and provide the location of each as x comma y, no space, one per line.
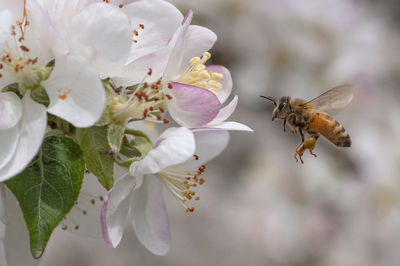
114,212
177,44
103,37
10,110
226,81
136,172
197,40
192,106
159,19
75,91
84,217
149,216
174,146
32,127
226,126
5,26
225,112
16,240
136,71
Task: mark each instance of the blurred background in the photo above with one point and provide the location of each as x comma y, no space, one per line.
258,206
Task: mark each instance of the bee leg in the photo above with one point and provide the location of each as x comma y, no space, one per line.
300,149
310,144
284,125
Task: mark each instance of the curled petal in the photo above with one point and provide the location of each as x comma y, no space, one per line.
174,146
10,110
32,127
8,143
192,106
149,216
114,212
5,24
225,112
75,91
230,125
226,82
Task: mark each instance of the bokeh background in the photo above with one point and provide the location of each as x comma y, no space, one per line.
258,206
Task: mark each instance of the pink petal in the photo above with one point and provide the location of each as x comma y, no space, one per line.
225,112
192,106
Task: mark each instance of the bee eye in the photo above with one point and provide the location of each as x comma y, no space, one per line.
282,105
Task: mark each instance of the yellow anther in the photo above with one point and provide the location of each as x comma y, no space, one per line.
194,60
217,75
200,67
202,84
206,55
204,74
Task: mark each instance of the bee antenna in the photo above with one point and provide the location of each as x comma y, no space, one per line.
269,98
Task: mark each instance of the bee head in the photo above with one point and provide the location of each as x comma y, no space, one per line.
282,109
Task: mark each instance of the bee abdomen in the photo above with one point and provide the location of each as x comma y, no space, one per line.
330,129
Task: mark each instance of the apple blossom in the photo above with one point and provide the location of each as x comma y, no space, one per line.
176,161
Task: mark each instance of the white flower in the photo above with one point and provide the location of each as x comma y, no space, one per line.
138,196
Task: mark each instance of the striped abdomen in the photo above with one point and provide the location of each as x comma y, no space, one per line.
330,129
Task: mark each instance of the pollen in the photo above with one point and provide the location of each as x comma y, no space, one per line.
198,75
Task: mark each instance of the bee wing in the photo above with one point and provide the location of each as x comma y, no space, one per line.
334,100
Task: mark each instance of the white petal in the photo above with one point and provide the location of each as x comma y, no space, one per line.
197,41
114,212
75,91
226,82
10,110
160,20
230,125
5,26
8,143
136,71
84,217
174,146
149,216
225,112
177,43
102,35
209,144
32,127
17,235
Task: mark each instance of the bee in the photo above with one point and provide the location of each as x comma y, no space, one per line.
311,118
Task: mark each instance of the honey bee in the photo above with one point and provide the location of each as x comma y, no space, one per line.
311,118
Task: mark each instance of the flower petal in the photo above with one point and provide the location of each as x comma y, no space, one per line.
160,20
5,26
149,216
226,82
75,91
8,143
197,41
136,71
210,144
192,106
230,125
174,146
17,236
102,35
177,44
10,110
114,212
32,127
225,112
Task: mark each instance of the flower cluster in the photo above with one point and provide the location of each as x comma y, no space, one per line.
85,87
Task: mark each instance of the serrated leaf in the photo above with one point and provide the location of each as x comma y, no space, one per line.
115,134
95,147
47,189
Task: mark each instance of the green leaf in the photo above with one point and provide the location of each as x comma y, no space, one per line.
142,144
47,189
114,136
95,147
